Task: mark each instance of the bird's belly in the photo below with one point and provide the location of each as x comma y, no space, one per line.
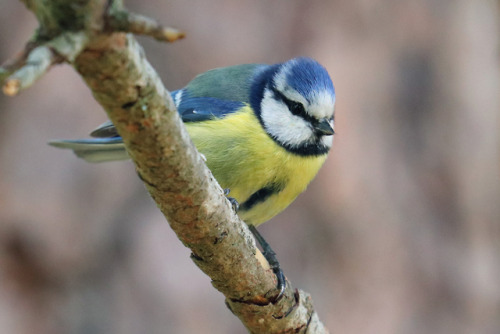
265,200
269,208
261,175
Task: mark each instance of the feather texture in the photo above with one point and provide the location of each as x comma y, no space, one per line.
241,119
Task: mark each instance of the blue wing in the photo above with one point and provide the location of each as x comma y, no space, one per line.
198,109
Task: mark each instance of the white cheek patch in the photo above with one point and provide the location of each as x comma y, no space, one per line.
281,124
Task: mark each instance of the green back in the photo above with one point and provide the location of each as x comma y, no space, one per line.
227,83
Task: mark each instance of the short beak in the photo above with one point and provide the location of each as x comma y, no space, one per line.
324,128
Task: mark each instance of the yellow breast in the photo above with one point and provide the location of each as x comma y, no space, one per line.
243,158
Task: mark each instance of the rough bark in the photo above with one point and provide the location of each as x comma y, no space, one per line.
115,68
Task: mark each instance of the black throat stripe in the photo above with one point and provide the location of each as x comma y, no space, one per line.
260,196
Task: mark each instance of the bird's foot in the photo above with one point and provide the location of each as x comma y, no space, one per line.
232,200
270,256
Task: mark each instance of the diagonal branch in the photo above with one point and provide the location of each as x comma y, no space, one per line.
125,84
115,68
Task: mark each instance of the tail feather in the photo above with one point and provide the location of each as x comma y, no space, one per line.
95,149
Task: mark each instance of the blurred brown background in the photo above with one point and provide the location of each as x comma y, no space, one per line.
399,233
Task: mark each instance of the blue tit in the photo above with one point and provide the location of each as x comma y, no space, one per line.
265,131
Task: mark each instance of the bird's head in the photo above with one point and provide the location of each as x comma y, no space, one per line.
295,103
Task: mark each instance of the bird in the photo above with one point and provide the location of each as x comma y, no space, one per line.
264,130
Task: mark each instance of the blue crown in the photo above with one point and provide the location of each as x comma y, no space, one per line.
307,77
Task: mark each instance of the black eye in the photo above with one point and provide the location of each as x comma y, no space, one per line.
297,108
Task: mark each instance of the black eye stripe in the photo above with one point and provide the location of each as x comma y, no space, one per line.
295,107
